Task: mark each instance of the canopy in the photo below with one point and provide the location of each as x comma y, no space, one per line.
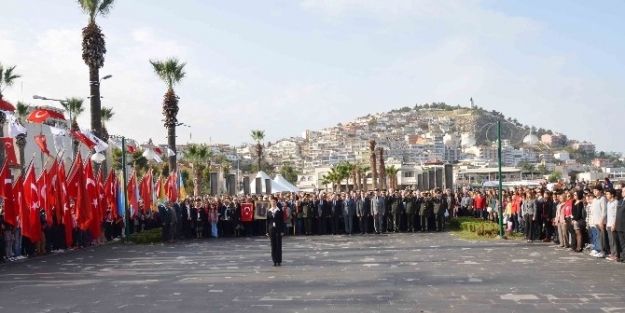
275,187
280,180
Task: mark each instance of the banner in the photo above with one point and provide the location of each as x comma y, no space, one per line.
9,150
247,212
260,209
40,140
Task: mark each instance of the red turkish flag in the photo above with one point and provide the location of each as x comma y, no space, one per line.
6,192
145,190
133,197
31,194
131,149
102,202
110,193
9,150
5,106
24,213
247,212
171,187
62,201
51,197
42,185
83,139
40,115
40,140
91,200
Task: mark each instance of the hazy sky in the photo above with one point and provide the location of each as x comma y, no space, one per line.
284,66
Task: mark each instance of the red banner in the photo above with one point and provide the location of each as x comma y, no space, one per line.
247,212
82,138
40,115
40,140
9,150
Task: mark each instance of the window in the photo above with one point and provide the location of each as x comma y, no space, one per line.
408,174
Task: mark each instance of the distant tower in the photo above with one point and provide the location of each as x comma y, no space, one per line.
472,104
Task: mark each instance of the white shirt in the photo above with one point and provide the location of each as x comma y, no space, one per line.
599,210
611,213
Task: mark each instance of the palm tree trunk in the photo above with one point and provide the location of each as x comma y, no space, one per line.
171,142
197,182
95,103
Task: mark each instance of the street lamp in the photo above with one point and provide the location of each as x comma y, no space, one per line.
124,181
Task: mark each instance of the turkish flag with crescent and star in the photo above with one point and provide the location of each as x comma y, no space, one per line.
9,150
247,212
40,115
6,192
40,140
31,193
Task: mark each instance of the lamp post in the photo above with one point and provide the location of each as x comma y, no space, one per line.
124,181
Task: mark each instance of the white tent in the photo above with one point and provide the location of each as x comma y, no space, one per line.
280,180
263,176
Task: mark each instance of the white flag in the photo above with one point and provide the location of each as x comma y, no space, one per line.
100,145
116,143
170,152
14,126
151,155
58,131
58,135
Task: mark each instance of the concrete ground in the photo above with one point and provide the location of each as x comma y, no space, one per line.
373,273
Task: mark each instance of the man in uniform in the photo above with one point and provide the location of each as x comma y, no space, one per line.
396,210
425,210
410,211
438,210
307,214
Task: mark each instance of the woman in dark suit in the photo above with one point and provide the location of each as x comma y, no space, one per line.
275,231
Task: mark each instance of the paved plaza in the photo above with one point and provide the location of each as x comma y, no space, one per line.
374,273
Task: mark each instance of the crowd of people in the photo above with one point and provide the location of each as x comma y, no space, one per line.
576,216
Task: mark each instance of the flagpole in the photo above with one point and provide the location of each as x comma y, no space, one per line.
125,184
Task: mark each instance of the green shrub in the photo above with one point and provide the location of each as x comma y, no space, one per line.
147,236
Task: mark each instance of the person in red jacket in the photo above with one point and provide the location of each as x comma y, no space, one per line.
480,206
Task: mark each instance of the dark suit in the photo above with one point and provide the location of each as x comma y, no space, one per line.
363,211
337,210
620,226
324,209
275,228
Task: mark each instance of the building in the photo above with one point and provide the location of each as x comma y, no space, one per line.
562,156
584,146
554,140
602,162
467,176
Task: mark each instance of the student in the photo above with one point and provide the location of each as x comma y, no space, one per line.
275,231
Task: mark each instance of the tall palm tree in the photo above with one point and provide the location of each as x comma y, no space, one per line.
345,170
170,71
93,51
74,105
258,135
21,112
199,157
106,114
381,168
392,171
372,164
7,79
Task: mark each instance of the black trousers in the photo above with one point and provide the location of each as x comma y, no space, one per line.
335,223
396,221
620,234
529,226
276,246
322,223
410,222
363,222
308,225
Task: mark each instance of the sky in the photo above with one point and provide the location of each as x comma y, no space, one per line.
287,66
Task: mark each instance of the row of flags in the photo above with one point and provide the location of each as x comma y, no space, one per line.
94,198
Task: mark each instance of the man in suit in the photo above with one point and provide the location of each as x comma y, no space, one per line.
449,202
619,227
337,210
349,210
378,209
275,231
165,221
363,212
323,209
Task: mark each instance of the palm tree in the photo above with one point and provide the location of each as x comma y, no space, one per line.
332,177
75,106
226,166
391,171
345,170
93,50
21,111
372,164
362,172
199,157
258,135
106,114
7,79
381,168
170,71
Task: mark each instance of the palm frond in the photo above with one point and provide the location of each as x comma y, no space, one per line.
106,113
75,105
170,71
258,135
22,110
7,76
94,8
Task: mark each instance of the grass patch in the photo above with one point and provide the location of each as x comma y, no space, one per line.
471,228
147,237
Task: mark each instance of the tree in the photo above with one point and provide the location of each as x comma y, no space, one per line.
106,113
381,168
170,71
372,164
333,177
7,79
391,171
362,172
542,169
198,156
74,105
345,170
555,177
21,112
136,160
289,173
93,51
258,136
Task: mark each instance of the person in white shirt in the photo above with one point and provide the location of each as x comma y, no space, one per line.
598,209
612,206
275,231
